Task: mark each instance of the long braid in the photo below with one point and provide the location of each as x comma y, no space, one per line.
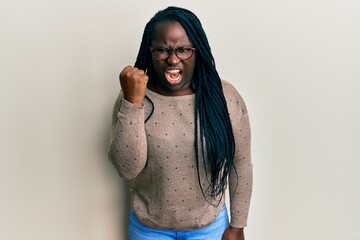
213,130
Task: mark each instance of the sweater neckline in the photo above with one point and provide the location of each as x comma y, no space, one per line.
157,95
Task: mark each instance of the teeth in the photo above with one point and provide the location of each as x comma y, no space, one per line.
173,71
173,76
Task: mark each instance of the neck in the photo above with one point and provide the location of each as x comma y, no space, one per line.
153,86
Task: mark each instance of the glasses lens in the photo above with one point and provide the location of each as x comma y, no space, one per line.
184,53
161,54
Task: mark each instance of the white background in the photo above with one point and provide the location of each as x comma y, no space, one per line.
296,63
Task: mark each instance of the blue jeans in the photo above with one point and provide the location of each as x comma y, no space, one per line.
215,231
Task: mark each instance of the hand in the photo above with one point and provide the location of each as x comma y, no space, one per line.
133,82
232,233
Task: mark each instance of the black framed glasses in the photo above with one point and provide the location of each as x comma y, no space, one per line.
183,53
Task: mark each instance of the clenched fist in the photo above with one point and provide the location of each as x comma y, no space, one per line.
133,82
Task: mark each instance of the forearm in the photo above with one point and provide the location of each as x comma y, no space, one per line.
128,146
240,191
241,176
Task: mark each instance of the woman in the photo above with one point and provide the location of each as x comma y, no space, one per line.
179,133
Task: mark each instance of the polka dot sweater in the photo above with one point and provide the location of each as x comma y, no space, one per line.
158,158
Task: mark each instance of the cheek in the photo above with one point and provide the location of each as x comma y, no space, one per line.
190,68
158,72
156,67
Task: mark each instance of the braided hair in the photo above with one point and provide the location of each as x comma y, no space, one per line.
213,131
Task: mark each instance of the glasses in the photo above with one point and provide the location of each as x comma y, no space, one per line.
183,53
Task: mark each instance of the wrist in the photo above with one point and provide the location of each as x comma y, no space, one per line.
237,229
136,101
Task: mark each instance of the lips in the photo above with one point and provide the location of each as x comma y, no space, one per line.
173,76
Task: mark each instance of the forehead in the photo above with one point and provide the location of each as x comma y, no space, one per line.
170,33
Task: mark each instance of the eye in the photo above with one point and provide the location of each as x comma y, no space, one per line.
183,50
163,50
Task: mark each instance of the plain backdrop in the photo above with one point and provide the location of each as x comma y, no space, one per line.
296,63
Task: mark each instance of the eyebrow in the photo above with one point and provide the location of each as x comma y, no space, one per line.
183,46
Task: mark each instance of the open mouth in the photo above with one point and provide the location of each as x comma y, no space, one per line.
173,76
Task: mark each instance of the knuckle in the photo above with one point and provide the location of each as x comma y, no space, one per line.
128,74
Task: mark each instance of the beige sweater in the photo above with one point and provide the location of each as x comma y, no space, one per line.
159,159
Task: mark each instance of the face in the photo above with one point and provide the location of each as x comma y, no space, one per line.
173,76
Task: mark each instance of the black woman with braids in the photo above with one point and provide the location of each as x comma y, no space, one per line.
181,135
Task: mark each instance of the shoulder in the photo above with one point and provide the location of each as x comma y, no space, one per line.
233,97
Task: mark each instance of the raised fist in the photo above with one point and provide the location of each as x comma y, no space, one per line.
133,82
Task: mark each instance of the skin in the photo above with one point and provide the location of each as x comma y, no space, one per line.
172,35
134,81
232,233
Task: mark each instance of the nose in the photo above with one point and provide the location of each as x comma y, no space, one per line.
173,59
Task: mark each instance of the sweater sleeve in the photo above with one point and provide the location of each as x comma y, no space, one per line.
128,145
241,175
